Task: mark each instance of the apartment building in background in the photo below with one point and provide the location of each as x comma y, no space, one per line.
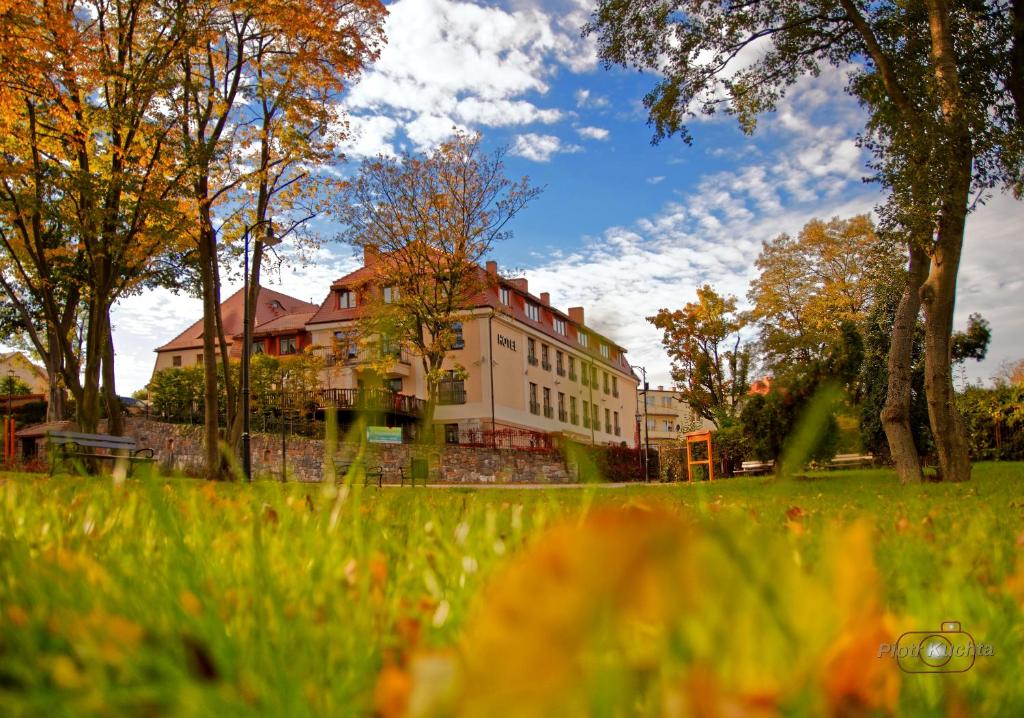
668,418
526,364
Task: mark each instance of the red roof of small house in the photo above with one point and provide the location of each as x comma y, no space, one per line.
270,306
287,324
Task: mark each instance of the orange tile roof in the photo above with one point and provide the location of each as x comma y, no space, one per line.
488,297
270,306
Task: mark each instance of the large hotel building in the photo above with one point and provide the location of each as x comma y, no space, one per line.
527,365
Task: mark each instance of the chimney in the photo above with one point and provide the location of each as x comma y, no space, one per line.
545,299
370,255
521,284
661,387
492,268
576,314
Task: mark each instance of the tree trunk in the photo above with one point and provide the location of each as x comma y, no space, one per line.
115,413
87,407
939,298
211,410
895,414
938,295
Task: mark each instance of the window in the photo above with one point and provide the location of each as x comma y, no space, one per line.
666,401
560,325
176,360
618,429
257,347
597,416
573,416
586,414
667,424
548,411
605,352
651,425
395,385
389,347
390,295
345,346
531,351
593,375
534,406
561,407
451,433
459,342
346,299
615,386
648,400
608,421
199,358
288,345
572,368
545,362
503,293
607,383
451,389
583,339
533,311
560,363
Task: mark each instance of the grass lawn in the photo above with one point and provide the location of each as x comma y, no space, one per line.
742,597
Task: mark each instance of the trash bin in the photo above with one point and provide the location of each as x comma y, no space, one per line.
419,471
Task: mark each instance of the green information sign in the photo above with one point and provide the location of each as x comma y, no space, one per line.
384,435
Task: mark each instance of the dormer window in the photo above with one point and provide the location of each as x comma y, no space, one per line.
505,299
605,351
533,311
346,299
583,339
560,326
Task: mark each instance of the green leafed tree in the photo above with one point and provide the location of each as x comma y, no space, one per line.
710,365
934,77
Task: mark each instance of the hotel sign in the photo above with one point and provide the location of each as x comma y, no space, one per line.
504,341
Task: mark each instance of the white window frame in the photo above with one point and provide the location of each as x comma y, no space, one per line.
390,294
560,325
582,339
346,299
605,351
503,295
533,311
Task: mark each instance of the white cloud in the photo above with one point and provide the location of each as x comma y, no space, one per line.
540,148
657,179
457,63
593,133
585,99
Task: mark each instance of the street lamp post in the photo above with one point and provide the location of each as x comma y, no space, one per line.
268,241
647,432
9,424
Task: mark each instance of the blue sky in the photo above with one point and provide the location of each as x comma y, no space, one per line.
623,227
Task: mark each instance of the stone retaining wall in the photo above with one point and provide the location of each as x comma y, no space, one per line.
179,447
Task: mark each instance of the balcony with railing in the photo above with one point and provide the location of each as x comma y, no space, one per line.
549,412
534,408
574,419
562,415
545,365
618,430
586,421
532,358
607,428
572,375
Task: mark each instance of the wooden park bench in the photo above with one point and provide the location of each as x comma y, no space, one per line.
842,461
755,468
343,466
72,446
